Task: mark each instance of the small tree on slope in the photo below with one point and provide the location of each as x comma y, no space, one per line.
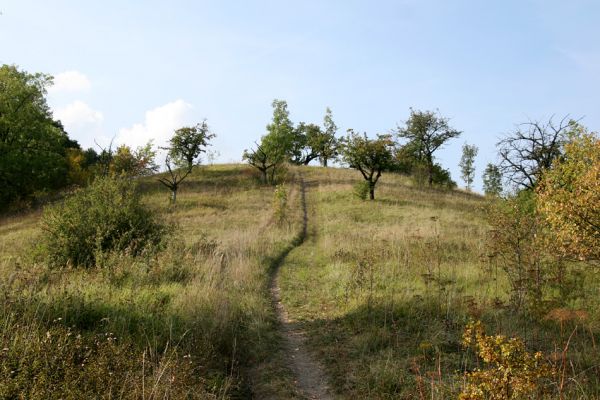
370,156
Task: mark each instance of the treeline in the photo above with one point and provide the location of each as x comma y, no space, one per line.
409,149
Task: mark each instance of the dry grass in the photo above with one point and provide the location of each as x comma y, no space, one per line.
187,322
385,288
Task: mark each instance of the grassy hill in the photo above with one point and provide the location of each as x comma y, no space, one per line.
382,290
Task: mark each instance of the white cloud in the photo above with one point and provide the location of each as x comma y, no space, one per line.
159,125
78,114
70,81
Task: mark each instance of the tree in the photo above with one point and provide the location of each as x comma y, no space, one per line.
467,164
186,146
492,180
370,156
530,149
328,142
261,160
174,179
188,143
134,163
569,198
427,132
32,144
281,140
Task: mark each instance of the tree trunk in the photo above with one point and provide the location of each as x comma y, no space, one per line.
173,195
325,162
264,173
371,190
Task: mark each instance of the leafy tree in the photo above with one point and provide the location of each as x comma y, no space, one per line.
188,143
262,161
281,141
530,149
134,163
32,144
311,142
426,132
569,197
492,180
467,164
327,143
370,156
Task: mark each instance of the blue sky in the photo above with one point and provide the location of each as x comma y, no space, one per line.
137,70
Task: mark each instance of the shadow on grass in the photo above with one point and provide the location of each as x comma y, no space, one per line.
385,349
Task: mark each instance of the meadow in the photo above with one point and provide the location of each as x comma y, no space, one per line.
192,320
383,290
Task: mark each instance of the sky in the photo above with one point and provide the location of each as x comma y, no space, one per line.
138,70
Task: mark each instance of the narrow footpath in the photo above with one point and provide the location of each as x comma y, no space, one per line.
310,379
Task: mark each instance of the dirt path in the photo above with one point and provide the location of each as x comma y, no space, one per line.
310,378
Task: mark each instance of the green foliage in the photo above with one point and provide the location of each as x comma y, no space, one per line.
32,144
512,372
105,216
361,190
492,180
516,243
426,132
188,143
328,143
467,164
281,141
140,162
369,156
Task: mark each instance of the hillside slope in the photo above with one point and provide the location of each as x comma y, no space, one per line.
379,290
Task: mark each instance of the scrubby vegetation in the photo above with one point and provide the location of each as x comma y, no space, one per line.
191,319
105,217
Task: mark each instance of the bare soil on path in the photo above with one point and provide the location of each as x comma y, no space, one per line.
310,378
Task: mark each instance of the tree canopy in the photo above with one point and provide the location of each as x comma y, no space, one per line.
32,144
369,156
426,132
188,143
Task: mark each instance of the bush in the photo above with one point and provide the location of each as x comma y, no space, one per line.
106,216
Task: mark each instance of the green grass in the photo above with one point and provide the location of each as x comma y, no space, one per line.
192,321
385,288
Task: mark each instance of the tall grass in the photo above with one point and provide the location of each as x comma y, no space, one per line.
385,288
190,321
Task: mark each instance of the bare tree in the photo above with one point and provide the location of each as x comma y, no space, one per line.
530,149
174,179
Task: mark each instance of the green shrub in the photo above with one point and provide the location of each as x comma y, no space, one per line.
361,190
106,216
